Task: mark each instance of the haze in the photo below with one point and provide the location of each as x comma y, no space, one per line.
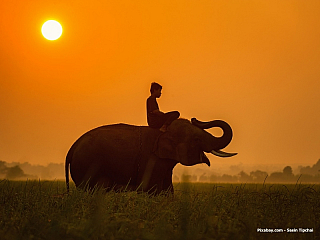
254,64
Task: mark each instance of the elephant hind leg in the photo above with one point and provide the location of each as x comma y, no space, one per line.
104,183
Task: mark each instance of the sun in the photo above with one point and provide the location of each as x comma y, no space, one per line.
51,30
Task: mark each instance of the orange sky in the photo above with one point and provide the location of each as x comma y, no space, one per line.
254,64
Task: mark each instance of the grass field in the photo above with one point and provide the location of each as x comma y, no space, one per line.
42,210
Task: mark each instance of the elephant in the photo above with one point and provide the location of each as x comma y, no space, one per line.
122,156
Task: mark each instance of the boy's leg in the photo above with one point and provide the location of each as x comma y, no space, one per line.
168,118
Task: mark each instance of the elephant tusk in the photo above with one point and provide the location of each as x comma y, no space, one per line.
222,154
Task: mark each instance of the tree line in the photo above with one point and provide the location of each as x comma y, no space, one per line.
307,174
23,171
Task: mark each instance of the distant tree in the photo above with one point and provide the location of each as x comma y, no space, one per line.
189,178
203,178
314,170
3,167
287,171
213,178
175,178
307,178
276,177
317,165
258,176
288,174
185,178
244,177
281,177
228,178
306,170
194,178
15,173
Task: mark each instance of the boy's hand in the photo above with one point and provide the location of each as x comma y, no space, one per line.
158,112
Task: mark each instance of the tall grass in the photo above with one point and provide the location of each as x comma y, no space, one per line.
42,210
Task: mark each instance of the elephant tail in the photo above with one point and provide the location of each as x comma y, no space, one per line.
68,161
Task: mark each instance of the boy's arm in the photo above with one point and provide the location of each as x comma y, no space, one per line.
157,112
152,104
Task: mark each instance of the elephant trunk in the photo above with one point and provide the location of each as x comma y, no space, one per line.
225,139
217,143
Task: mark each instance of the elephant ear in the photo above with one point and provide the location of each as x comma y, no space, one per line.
165,146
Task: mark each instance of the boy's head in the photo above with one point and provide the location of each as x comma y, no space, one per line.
155,87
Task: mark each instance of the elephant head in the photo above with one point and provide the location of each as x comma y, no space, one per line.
186,142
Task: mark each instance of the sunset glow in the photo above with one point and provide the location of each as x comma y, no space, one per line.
253,64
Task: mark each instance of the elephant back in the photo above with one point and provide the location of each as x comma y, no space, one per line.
115,151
